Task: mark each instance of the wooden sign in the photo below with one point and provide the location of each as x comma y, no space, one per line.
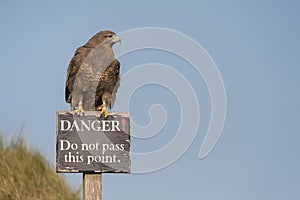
91,143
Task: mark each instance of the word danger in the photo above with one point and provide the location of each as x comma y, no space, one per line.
88,125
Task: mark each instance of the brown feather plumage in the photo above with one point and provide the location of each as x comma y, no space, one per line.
109,82
109,79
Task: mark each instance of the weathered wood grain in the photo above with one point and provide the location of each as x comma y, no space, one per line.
69,159
92,186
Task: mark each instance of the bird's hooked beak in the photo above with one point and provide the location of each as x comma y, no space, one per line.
116,39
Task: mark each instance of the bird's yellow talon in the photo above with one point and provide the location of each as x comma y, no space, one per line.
103,111
79,110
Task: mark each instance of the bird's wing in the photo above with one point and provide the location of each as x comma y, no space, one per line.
73,68
109,82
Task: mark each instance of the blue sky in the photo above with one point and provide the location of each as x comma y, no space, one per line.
255,45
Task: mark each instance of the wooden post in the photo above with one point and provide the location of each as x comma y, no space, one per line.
92,186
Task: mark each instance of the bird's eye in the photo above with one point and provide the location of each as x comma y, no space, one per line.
110,36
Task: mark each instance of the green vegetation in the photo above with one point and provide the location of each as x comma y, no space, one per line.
26,175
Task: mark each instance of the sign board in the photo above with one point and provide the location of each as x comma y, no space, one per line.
91,143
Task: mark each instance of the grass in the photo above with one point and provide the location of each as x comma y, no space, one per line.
27,175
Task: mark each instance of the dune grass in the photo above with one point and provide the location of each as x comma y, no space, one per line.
27,175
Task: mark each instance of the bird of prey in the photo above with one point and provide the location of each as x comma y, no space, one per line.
93,75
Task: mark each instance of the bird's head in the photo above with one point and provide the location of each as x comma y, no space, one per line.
107,38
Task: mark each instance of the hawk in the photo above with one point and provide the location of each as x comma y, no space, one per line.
93,75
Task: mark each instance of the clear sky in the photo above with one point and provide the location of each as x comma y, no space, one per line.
255,45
